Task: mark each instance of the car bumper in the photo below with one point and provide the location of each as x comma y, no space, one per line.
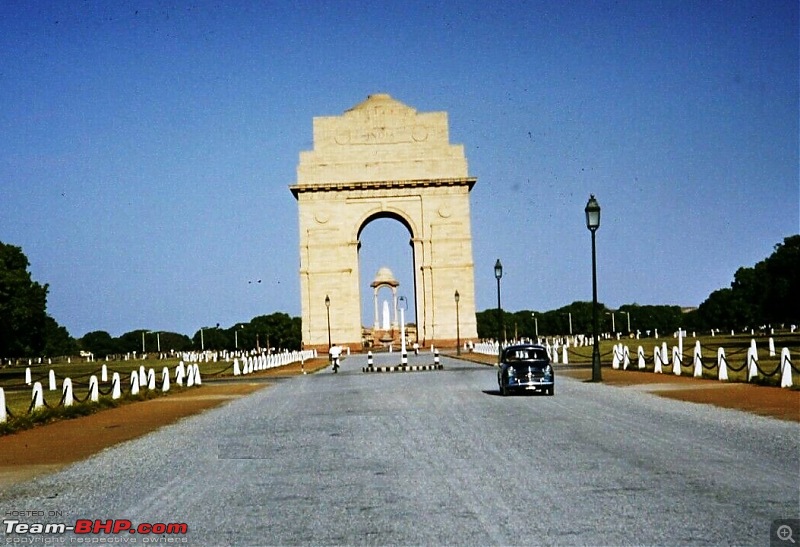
529,385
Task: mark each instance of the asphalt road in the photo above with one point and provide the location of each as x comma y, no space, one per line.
438,458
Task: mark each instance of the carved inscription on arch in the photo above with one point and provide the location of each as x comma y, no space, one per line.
383,135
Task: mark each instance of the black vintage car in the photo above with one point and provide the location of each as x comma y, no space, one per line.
525,367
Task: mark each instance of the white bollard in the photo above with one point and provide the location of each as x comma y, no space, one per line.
369,359
53,385
615,358
657,360
151,379
3,413
698,360
676,361
180,373
640,357
38,395
236,370
626,358
142,376
752,361
134,382
771,347
94,389
197,380
104,373
116,386
28,379
786,368
66,392
564,355
165,380
722,365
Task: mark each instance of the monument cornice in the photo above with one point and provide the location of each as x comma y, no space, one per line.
382,185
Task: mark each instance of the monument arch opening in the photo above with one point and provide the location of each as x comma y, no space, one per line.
383,159
386,266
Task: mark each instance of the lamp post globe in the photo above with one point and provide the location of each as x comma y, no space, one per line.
592,211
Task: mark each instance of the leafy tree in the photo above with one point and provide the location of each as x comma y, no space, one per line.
23,304
765,294
783,291
212,338
277,330
170,341
99,343
57,339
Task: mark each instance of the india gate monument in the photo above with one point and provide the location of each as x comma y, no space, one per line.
383,159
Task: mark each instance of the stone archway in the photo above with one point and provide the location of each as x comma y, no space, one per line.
382,158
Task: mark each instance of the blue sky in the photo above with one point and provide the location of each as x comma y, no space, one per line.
146,148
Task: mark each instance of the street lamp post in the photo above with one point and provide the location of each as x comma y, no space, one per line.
458,325
613,322
236,335
570,321
535,326
628,315
498,273
402,304
592,211
328,312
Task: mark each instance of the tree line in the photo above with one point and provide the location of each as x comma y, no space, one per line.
760,296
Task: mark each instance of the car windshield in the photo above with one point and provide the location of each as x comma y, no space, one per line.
525,354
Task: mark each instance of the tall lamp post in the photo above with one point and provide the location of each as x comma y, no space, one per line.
592,211
236,335
402,304
328,312
498,273
458,325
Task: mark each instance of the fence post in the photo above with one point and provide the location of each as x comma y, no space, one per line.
116,387
134,382
698,360
752,361
657,359
94,389
165,380
676,361
66,390
38,395
786,368
722,365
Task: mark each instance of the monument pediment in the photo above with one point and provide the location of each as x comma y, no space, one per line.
381,139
